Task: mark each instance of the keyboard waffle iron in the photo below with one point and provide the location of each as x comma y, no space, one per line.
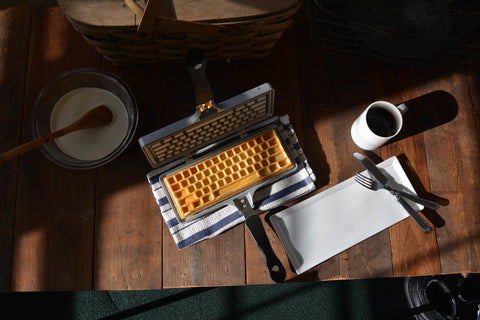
221,155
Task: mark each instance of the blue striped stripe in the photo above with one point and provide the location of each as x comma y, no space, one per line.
154,179
172,222
162,201
284,192
187,225
209,230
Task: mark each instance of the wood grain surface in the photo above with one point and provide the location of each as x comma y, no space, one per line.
101,229
54,216
14,33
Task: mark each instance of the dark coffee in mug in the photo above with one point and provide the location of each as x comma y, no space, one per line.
381,122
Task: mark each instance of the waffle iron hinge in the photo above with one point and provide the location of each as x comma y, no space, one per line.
207,109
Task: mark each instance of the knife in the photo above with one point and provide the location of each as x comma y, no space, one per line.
372,168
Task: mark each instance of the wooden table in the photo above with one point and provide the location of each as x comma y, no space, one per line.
101,229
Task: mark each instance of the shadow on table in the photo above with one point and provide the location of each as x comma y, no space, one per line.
427,112
430,214
424,113
417,184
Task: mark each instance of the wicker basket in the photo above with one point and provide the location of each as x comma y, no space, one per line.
163,30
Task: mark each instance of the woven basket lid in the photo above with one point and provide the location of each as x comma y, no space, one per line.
116,13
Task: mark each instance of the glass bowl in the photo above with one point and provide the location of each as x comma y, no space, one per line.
67,83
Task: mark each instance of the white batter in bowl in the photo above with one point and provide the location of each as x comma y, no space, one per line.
70,96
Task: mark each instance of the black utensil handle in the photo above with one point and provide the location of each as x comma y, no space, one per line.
275,267
196,62
414,214
427,203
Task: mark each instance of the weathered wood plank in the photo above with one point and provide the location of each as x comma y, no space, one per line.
371,257
128,224
128,227
335,91
453,155
53,248
14,33
474,85
413,252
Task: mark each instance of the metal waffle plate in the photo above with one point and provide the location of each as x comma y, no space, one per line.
183,137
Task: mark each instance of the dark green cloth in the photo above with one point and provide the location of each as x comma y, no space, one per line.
342,299
353,299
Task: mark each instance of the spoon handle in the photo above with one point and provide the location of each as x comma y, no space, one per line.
28,146
97,117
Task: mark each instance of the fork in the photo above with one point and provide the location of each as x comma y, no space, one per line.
375,185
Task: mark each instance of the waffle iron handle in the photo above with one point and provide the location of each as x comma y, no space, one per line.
196,62
275,267
255,226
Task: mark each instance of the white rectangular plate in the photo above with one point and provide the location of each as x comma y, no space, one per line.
332,221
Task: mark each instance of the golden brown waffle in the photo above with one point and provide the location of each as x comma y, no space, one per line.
216,178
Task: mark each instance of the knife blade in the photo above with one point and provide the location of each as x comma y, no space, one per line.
377,174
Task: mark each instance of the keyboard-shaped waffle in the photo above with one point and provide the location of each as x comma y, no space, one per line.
220,176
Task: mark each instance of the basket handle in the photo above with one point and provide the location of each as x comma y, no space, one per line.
147,15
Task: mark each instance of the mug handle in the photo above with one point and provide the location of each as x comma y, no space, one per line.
402,107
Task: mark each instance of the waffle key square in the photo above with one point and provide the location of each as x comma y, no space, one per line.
220,176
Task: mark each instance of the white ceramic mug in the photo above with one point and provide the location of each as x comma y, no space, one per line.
379,123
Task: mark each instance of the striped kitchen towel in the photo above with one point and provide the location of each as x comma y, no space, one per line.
293,186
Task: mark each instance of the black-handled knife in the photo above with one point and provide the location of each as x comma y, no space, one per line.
426,203
372,168
414,214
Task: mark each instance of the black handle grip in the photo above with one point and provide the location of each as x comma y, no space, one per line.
275,267
416,217
427,203
196,62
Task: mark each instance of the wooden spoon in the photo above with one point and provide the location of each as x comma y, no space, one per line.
95,118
